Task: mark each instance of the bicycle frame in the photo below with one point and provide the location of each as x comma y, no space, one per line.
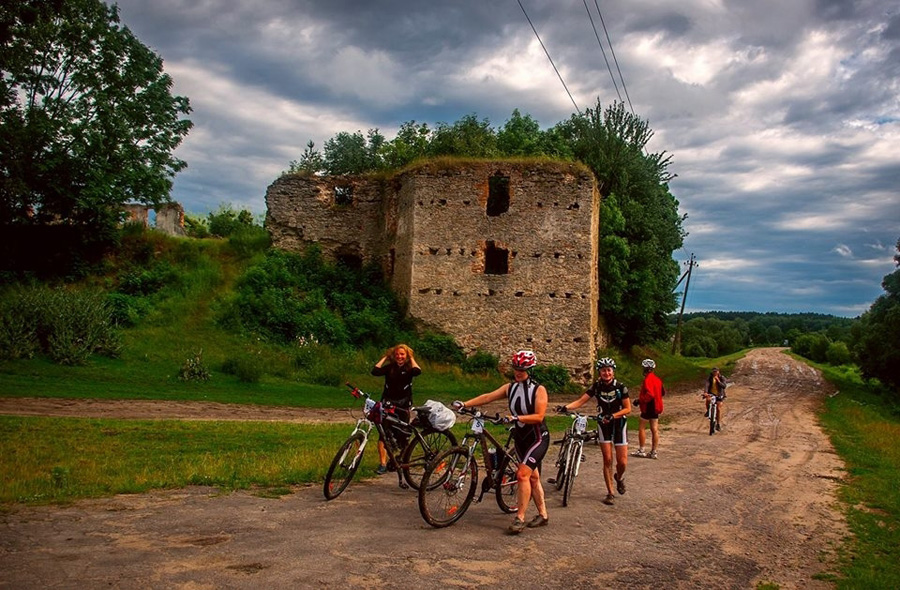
477,436
570,452
410,461
448,485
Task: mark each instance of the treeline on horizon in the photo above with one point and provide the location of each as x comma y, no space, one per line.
718,333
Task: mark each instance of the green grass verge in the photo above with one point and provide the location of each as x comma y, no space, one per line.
864,428
53,460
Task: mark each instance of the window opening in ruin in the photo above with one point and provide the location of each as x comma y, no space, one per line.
496,260
352,261
343,195
498,195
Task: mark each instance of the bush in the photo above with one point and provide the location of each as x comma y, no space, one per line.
127,310
195,226
67,326
226,221
838,354
193,368
246,369
442,348
481,362
249,240
286,296
18,327
555,378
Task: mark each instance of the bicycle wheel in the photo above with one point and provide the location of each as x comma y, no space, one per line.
508,488
442,504
420,451
561,463
713,413
344,466
573,457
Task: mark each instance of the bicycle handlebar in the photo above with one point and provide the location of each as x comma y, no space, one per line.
476,413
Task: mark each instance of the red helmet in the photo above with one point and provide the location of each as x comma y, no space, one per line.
523,360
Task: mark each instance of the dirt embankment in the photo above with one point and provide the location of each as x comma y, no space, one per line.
752,503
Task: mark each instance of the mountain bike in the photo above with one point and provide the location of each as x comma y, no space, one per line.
568,462
410,461
712,412
448,486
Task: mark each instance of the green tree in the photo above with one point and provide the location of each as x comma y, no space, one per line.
87,118
354,153
468,137
838,354
520,136
225,221
774,335
637,272
876,338
411,143
310,162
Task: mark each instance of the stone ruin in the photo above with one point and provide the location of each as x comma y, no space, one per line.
501,254
169,217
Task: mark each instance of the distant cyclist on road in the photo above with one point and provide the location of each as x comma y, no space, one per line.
650,401
527,406
613,404
398,367
715,390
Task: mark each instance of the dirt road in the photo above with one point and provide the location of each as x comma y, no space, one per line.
752,503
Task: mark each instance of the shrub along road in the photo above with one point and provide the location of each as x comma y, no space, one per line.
754,503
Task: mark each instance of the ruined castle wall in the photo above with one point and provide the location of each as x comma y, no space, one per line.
345,217
544,298
521,274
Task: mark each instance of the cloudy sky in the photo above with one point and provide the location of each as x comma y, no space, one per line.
782,118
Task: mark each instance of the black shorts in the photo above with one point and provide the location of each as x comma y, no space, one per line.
614,432
531,445
650,412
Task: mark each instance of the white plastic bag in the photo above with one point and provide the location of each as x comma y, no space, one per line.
440,416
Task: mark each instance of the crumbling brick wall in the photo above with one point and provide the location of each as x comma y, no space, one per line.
502,255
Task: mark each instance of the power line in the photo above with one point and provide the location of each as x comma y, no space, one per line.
548,56
603,51
606,32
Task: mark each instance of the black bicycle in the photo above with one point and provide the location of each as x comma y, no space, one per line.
448,486
410,461
571,448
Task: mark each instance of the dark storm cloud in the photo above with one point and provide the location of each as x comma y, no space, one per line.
781,117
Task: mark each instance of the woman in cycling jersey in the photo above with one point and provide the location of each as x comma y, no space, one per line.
527,405
613,404
650,401
398,367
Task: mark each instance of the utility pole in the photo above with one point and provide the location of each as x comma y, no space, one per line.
676,342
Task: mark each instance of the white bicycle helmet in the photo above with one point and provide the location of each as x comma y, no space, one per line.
648,364
605,362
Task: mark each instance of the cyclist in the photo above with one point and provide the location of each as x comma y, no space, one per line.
527,405
715,388
651,404
398,366
614,405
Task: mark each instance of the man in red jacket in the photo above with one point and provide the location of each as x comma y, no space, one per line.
651,402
